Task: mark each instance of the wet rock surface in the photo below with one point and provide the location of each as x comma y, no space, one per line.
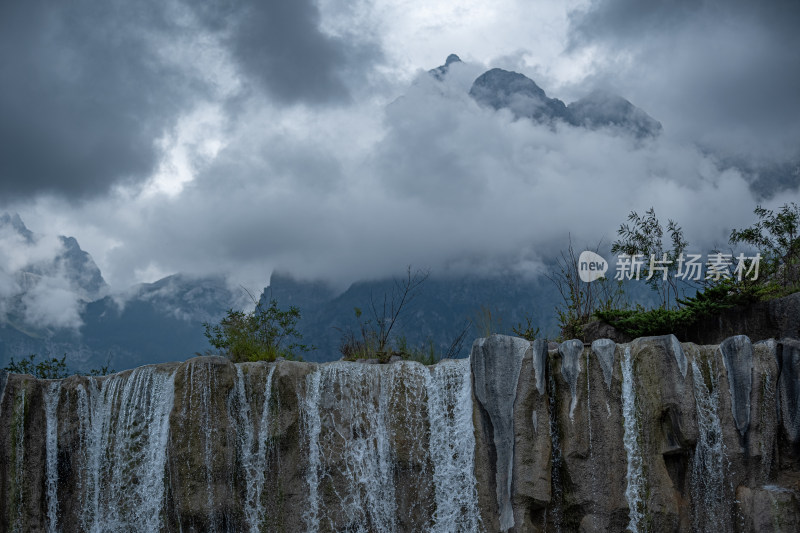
651,435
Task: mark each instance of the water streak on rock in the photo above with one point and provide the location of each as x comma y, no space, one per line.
52,392
127,417
253,445
737,356
711,506
635,471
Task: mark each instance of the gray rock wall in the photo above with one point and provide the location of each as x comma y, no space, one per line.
652,435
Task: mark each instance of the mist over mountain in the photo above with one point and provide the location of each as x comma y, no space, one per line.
501,89
163,321
54,299
602,109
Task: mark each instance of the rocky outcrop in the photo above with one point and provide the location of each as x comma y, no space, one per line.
440,71
503,89
496,364
651,435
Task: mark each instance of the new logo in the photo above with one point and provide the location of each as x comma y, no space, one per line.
591,266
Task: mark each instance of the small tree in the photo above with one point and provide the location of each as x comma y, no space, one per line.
777,238
580,300
527,330
52,368
260,335
376,332
644,236
385,316
485,322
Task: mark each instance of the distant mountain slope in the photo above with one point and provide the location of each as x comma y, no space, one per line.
602,109
69,262
503,89
440,71
439,312
153,322
161,321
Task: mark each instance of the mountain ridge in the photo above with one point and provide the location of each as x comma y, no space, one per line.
504,89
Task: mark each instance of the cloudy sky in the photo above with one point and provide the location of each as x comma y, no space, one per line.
240,137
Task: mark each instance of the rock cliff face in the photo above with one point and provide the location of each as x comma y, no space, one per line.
653,435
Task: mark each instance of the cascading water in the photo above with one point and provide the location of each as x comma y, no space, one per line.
313,427
253,447
51,392
452,445
355,447
711,506
126,418
371,429
350,451
635,470
197,398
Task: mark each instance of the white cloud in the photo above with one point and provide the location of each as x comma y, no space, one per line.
413,171
33,284
51,302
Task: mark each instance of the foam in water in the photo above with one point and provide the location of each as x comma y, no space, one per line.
711,508
51,392
126,420
253,447
635,469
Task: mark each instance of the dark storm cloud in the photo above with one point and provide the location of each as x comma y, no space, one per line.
90,87
724,73
83,95
279,45
621,20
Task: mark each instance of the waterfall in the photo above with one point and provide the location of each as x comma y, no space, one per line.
312,427
51,392
253,447
711,509
126,417
365,427
350,451
452,446
635,470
